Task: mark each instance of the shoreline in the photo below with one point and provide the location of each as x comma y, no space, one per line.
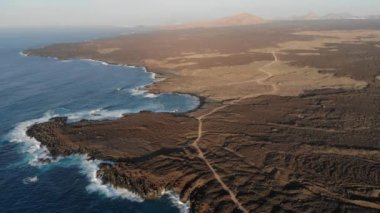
261,117
50,158
174,197
41,156
86,165
145,88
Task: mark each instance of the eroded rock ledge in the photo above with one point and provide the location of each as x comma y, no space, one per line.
290,153
314,152
132,136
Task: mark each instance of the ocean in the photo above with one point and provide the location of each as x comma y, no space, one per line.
34,89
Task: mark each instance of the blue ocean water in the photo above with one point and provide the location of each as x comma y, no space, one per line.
33,89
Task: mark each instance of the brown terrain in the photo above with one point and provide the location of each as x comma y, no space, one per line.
290,120
237,20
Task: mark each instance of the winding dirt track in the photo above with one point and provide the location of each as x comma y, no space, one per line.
200,127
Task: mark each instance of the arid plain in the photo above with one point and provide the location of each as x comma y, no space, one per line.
289,119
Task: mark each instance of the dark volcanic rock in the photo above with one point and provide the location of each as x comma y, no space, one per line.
133,136
319,152
302,164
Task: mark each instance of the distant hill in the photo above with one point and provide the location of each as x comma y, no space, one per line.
330,16
237,20
311,16
339,16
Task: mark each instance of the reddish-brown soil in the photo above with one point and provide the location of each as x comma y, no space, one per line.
289,153
314,152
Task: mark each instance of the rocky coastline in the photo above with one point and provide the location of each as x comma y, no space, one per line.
253,145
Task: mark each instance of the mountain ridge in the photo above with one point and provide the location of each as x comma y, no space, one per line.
235,20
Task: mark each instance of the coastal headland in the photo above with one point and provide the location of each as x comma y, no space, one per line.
289,119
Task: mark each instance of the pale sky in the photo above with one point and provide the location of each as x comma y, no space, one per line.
40,13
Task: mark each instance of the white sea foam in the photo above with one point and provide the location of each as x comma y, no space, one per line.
39,155
118,89
23,54
100,62
139,91
153,75
30,180
176,201
94,61
150,95
89,168
66,61
96,114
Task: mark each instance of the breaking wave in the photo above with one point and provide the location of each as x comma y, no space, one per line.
23,54
96,114
30,180
97,61
89,168
176,201
39,156
139,91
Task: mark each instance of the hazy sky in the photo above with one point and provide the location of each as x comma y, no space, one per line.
152,12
